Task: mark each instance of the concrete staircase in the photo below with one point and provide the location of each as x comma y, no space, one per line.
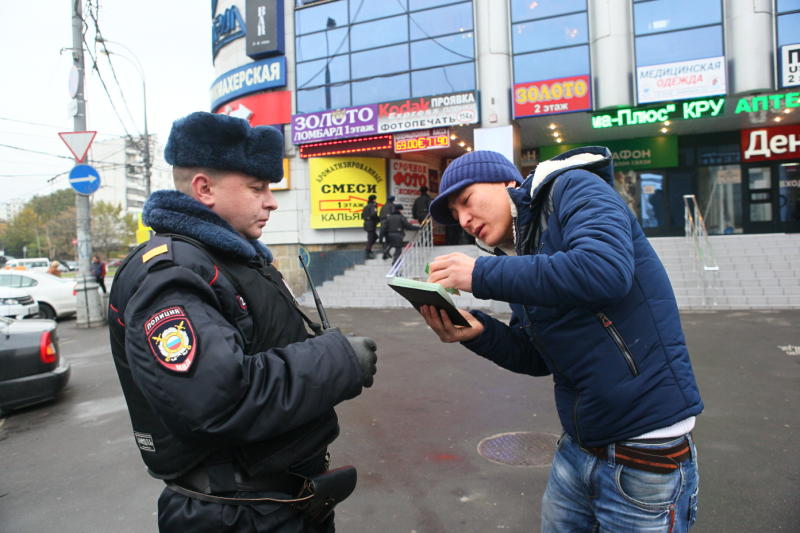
756,272
365,286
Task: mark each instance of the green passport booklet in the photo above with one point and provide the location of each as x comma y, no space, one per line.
423,293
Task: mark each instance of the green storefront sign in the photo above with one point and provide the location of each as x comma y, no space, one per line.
631,116
629,154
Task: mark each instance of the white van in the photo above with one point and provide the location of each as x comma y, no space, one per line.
37,264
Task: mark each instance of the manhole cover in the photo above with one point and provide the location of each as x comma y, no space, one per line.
521,448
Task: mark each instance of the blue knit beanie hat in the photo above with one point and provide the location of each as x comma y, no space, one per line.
480,166
222,142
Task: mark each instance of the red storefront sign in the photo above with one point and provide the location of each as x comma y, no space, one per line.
765,144
274,107
560,95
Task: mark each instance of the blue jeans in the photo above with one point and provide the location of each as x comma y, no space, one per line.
585,493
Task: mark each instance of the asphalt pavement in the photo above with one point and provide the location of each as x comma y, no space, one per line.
72,466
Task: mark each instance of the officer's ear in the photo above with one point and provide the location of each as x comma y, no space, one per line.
202,189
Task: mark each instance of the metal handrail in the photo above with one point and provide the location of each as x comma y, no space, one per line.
705,262
416,254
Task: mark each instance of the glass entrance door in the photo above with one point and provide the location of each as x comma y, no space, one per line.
789,196
759,200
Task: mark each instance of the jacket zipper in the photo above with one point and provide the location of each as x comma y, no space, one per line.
619,341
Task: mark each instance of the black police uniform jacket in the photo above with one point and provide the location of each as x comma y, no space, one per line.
212,352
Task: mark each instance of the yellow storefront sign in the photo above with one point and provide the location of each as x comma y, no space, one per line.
340,186
142,232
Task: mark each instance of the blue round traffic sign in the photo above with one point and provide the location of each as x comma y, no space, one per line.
84,179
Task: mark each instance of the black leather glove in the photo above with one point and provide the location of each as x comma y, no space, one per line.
365,353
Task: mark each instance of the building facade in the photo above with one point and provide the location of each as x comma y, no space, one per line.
121,162
692,98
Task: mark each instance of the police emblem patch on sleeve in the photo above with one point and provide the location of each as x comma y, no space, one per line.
171,338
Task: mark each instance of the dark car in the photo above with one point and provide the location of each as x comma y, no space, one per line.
31,367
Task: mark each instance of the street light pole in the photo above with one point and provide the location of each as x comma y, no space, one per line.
137,64
89,310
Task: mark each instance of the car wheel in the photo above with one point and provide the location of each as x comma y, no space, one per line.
46,311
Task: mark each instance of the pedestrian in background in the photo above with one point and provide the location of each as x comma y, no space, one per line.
421,205
231,399
99,272
369,214
386,210
54,269
593,306
396,226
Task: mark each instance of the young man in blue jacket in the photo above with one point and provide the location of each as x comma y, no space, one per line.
593,306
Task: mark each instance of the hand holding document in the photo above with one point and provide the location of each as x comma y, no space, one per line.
421,293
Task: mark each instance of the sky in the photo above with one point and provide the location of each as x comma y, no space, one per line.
171,41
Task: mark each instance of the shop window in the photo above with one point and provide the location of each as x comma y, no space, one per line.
381,89
789,192
549,40
331,42
316,18
442,21
759,183
312,73
379,33
379,61
366,10
527,10
669,31
310,100
788,29
442,80
559,63
365,48
677,46
442,51
554,32
653,206
656,16
719,195
788,5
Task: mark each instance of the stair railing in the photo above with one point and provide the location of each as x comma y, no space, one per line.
705,264
416,254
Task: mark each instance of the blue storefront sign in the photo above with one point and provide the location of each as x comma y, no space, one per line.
225,27
249,78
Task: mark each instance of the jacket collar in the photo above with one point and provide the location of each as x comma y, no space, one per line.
596,159
170,211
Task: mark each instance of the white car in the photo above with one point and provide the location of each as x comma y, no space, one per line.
56,296
17,303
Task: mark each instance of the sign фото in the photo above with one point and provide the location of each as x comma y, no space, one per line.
407,177
562,95
340,188
680,80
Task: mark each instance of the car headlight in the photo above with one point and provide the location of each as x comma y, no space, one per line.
9,301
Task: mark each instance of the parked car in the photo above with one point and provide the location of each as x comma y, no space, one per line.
38,264
56,296
31,367
17,303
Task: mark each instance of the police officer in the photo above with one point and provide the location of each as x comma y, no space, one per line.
231,399
396,224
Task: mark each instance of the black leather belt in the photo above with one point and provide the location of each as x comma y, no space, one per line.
205,479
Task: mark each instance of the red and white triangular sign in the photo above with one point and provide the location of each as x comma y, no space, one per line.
78,142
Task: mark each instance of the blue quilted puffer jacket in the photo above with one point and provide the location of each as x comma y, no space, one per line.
591,303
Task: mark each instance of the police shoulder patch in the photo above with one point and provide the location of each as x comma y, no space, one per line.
171,338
